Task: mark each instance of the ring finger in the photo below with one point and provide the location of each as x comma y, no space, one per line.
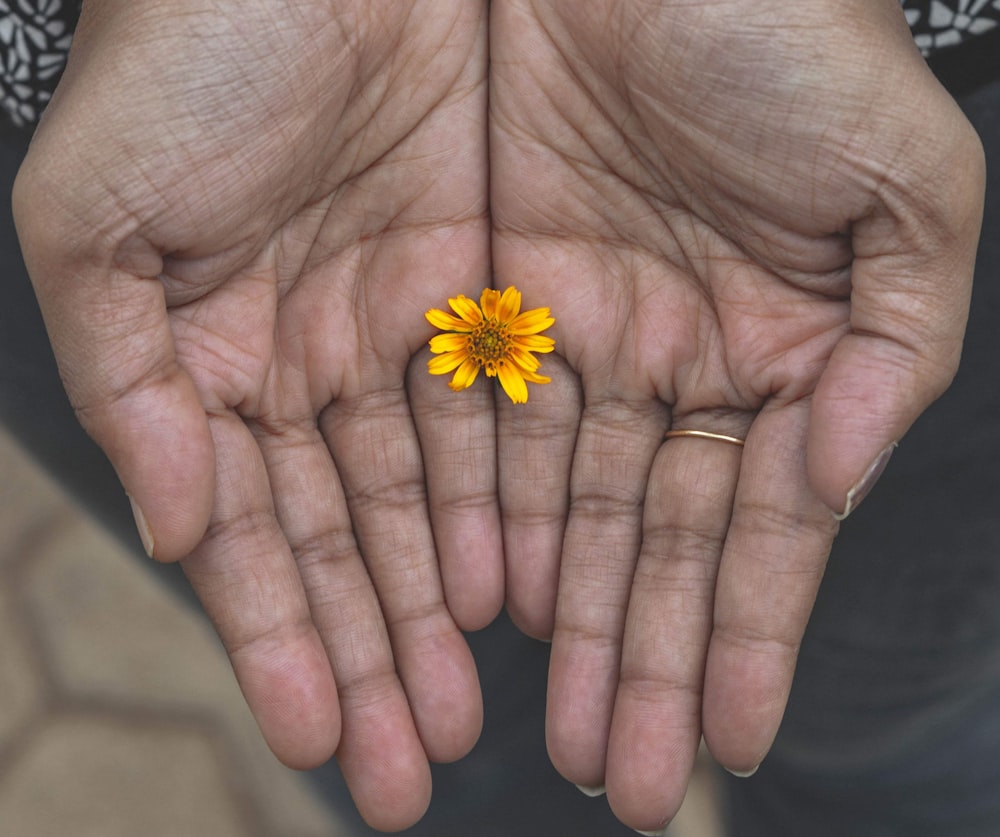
656,726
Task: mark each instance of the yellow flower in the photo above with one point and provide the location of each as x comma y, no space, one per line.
492,336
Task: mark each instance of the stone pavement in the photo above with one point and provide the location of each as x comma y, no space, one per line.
119,713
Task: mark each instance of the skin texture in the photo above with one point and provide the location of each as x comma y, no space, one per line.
752,218
758,219
234,228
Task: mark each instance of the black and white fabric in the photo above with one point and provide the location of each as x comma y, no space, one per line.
35,37
34,40
939,25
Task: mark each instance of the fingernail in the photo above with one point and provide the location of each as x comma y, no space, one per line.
860,489
142,526
661,833
597,790
744,774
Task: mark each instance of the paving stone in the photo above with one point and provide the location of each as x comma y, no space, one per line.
27,497
21,686
699,815
112,633
98,777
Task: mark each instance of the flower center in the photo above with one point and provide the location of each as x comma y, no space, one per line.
488,345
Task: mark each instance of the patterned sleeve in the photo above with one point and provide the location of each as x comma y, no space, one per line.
939,25
35,36
34,40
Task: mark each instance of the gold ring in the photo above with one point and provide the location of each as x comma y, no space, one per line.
704,434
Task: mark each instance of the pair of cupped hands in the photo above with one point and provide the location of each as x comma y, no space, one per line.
752,218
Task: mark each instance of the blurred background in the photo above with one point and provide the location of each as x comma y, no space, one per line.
119,713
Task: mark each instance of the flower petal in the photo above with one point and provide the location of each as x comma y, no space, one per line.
446,322
465,375
467,310
489,301
449,343
534,343
532,322
510,304
443,364
534,377
523,359
513,383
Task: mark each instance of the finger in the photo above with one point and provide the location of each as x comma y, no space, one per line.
656,727
615,449
250,588
377,454
115,351
911,282
110,336
535,443
379,745
775,553
458,445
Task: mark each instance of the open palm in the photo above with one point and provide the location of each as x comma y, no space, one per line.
235,220
236,215
738,232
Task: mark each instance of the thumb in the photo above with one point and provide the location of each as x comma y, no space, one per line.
911,284
108,325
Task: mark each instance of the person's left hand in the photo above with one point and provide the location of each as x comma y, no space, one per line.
756,219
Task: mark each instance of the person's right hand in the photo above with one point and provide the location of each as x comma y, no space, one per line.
235,215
